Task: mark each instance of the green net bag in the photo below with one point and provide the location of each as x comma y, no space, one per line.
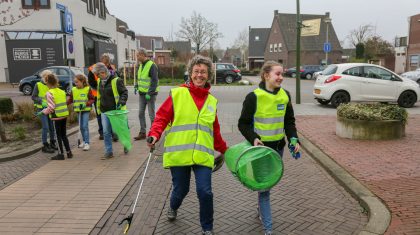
258,168
119,123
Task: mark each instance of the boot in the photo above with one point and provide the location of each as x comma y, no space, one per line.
101,137
114,137
53,145
141,136
58,157
69,154
46,149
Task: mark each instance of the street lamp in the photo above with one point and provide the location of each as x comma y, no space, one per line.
327,22
298,31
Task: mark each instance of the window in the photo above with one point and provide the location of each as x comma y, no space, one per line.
275,47
161,60
414,60
279,50
102,9
62,72
271,47
91,7
40,4
377,73
257,38
357,71
127,55
220,66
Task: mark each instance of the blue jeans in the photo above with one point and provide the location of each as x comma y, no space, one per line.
181,185
264,207
47,127
106,124
84,125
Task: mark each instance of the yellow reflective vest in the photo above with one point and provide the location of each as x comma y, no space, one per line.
114,91
42,93
143,77
190,141
80,96
60,109
269,114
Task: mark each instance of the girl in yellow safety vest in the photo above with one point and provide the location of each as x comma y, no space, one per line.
58,111
267,118
82,99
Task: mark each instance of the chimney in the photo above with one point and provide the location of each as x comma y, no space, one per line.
327,14
276,12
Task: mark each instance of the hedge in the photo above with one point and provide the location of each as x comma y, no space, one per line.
6,105
372,112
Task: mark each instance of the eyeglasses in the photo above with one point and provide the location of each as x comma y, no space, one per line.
196,72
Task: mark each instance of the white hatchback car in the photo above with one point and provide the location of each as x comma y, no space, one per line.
342,83
412,75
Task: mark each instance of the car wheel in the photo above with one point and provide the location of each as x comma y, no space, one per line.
407,99
308,76
323,102
228,79
27,89
293,75
340,97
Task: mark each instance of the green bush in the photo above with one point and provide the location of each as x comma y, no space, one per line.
372,112
19,132
178,70
26,110
6,105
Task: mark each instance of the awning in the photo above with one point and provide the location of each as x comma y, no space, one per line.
92,31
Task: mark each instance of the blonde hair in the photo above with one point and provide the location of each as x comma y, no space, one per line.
44,74
82,78
267,67
51,80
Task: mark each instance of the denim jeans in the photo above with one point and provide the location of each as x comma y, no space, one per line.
84,125
47,127
99,119
181,185
142,111
106,124
264,207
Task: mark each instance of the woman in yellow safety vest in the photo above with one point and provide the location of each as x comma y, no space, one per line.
82,99
58,111
192,136
267,117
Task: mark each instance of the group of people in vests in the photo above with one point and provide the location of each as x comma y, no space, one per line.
188,117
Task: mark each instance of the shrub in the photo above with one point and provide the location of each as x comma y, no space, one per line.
10,117
166,72
372,112
26,111
19,132
6,105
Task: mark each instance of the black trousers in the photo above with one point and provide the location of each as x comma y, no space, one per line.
60,130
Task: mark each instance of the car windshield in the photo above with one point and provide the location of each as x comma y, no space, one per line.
77,71
331,69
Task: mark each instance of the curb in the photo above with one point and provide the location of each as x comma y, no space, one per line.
379,217
30,150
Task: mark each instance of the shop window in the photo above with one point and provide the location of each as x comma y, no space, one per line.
36,4
414,60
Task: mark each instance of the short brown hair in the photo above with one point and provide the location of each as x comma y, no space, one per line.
51,79
267,67
82,78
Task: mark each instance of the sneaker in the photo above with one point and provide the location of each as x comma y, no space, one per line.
69,154
58,157
81,145
171,214
107,156
86,147
101,137
141,136
46,149
53,145
207,232
268,233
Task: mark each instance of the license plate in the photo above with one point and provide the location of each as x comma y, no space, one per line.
317,91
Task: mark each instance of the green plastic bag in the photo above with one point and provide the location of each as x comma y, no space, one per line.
119,123
258,168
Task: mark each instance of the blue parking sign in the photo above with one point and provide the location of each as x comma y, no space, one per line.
69,22
327,47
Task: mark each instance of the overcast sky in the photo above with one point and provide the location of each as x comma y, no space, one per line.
160,17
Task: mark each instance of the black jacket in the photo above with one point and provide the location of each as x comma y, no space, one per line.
107,96
246,121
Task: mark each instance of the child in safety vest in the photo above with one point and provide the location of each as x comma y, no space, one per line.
267,118
58,111
82,99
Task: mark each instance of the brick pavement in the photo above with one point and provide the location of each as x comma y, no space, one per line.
307,201
391,169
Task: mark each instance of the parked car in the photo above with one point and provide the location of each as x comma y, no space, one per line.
227,73
306,71
342,83
412,75
65,75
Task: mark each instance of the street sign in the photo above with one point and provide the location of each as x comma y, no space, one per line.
327,47
68,22
70,47
60,7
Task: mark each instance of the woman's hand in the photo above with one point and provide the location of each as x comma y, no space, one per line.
152,143
258,142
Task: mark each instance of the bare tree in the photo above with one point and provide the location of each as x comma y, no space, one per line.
361,34
200,31
242,40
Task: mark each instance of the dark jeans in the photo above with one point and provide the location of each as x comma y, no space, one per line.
60,130
98,118
181,185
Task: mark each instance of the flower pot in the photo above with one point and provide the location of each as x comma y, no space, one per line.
369,130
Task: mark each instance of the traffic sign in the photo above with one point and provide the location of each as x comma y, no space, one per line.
68,22
327,47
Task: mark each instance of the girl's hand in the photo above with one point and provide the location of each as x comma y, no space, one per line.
297,148
258,142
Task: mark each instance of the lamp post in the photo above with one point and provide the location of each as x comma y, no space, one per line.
298,29
327,22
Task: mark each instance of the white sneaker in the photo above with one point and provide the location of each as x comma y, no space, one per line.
81,145
86,147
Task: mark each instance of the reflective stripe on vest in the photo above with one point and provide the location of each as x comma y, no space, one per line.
60,109
114,91
269,115
189,141
143,77
80,96
42,93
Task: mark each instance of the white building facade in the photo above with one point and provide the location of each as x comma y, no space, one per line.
37,33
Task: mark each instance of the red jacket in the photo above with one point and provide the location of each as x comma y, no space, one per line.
165,115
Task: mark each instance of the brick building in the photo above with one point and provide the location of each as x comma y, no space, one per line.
155,49
413,48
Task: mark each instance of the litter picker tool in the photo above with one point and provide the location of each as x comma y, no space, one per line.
130,217
79,134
